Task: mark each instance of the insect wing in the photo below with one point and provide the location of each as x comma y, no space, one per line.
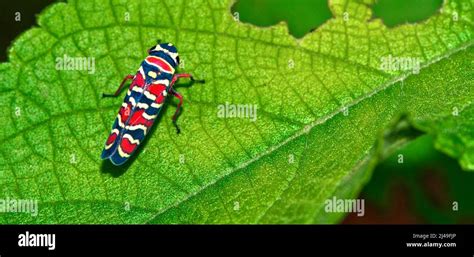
144,113
124,112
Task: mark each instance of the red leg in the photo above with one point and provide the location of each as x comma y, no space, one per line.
179,96
185,75
178,109
117,93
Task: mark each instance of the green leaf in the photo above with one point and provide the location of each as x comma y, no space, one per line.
328,111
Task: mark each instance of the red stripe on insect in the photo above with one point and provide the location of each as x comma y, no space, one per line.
124,113
137,118
127,146
111,138
160,63
156,89
138,81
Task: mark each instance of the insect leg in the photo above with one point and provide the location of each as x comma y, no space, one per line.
117,93
201,81
178,109
186,75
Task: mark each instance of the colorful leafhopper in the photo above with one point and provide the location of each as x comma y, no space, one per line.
145,97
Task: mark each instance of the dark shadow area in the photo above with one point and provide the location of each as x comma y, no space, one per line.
397,134
398,12
16,17
117,171
301,16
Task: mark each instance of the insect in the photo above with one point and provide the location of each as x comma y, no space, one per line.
145,97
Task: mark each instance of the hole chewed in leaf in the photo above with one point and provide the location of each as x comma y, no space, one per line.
301,16
396,12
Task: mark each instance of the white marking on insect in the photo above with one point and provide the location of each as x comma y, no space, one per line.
150,96
131,139
122,153
149,117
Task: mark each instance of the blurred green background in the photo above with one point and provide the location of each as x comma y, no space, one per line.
423,189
